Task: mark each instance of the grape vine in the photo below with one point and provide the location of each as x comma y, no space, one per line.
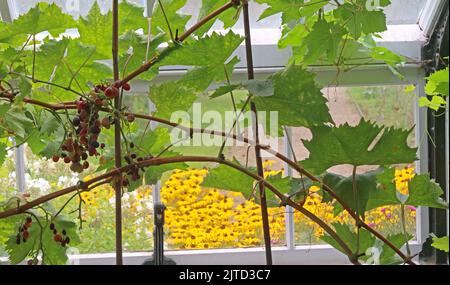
67,104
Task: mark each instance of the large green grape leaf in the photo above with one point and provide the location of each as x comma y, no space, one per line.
438,83
297,99
200,78
324,39
67,62
49,58
348,235
18,252
293,36
43,17
388,255
96,28
208,51
43,238
210,57
385,192
176,20
358,20
228,18
180,97
286,185
227,178
137,44
152,142
155,143
441,243
343,186
256,87
154,173
422,190
425,192
365,144
376,252
55,254
131,18
292,10
17,123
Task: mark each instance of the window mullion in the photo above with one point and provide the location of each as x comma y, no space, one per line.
289,211
20,168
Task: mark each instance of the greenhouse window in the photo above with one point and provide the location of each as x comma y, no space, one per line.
232,233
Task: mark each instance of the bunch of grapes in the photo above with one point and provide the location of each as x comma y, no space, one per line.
134,173
24,234
60,238
84,141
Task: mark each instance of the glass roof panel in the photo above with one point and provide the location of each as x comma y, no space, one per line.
399,12
404,12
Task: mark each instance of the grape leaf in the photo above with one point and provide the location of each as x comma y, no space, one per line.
438,83
315,42
176,20
207,51
43,17
292,10
181,98
286,185
18,252
138,45
343,186
17,122
227,178
359,20
228,18
259,88
375,251
55,253
366,240
425,192
441,243
388,255
365,144
209,55
297,99
200,78
422,190
385,193
95,28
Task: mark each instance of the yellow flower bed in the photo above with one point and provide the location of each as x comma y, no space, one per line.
201,218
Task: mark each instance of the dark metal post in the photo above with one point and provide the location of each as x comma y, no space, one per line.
158,237
262,190
436,50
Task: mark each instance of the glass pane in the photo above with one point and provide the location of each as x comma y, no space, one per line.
203,218
200,217
387,105
402,12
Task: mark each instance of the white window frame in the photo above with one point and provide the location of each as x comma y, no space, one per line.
405,39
